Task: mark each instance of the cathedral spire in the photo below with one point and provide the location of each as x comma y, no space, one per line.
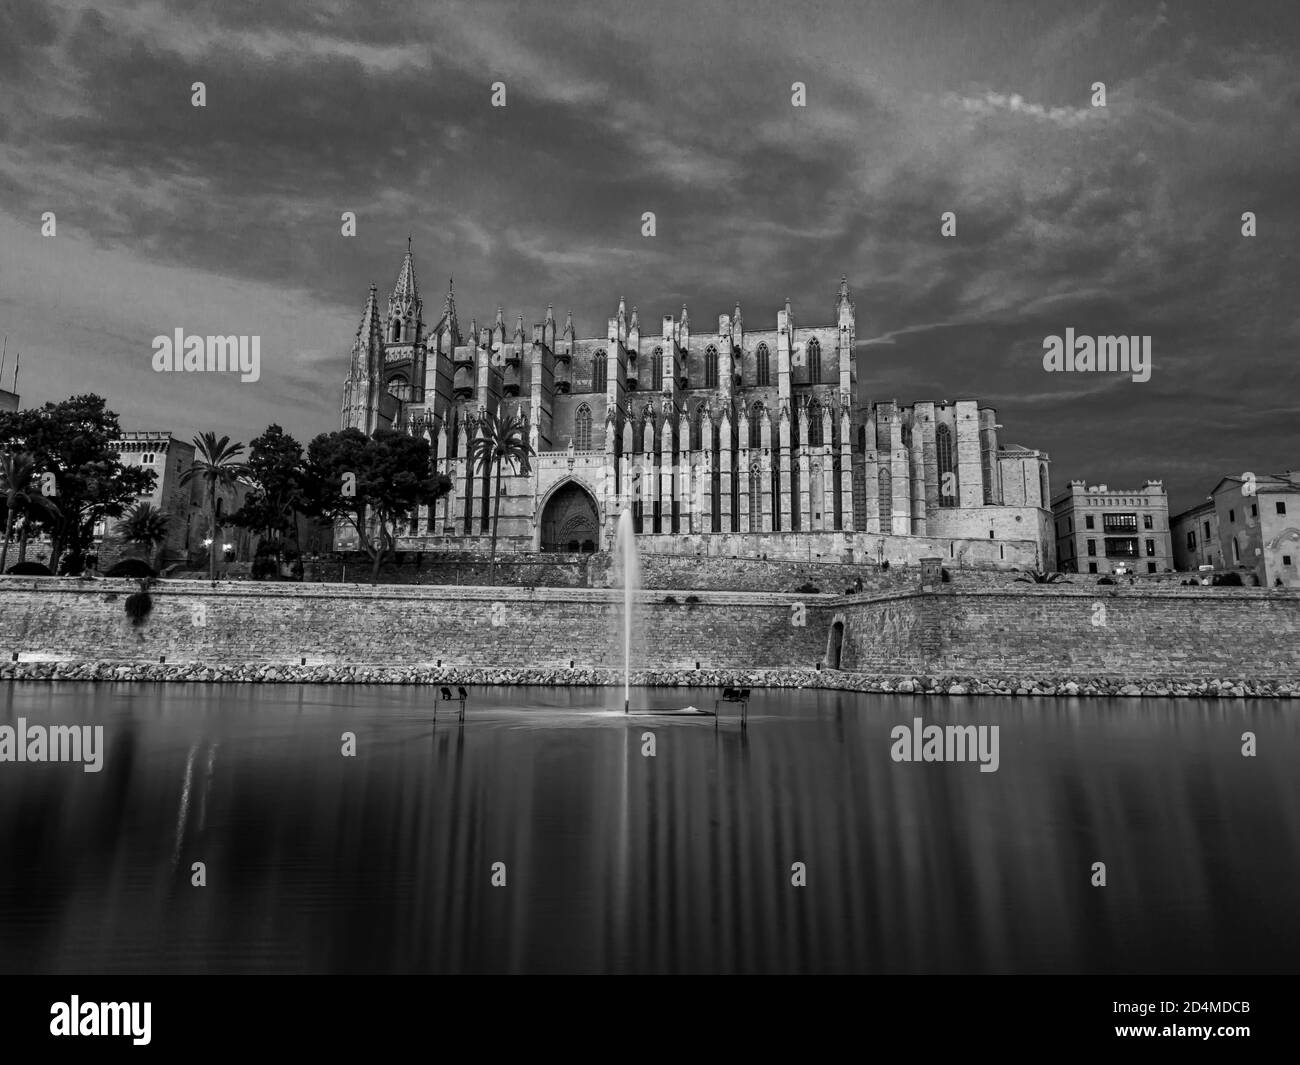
449,314
735,318
406,290
370,333
686,320
635,323
550,314
568,326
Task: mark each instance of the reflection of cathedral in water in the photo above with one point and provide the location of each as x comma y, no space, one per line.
738,430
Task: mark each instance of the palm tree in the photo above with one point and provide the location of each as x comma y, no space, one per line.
1036,576
145,526
18,483
216,463
500,441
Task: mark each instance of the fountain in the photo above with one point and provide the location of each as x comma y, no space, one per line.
629,572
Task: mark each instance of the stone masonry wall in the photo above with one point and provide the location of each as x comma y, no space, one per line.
1055,631
397,625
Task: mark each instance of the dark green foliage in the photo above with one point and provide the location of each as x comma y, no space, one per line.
71,440
30,569
389,475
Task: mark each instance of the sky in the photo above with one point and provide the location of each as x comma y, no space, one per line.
1117,219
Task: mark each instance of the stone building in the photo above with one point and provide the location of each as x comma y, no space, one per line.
1195,536
1102,530
762,435
1250,523
188,524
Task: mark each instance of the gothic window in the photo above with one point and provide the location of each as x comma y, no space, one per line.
397,329
814,361
885,499
815,423
755,498
697,423
763,372
582,429
599,372
947,467
907,436
710,367
657,368
398,386
756,426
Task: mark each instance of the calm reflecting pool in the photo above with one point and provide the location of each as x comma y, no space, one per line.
618,861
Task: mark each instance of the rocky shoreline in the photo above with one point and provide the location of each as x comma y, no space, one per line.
263,673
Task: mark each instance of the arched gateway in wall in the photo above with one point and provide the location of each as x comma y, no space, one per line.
570,520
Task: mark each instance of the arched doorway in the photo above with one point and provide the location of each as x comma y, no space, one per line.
835,643
570,521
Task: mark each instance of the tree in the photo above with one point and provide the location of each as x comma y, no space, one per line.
500,441
19,483
275,470
72,439
145,526
216,464
370,482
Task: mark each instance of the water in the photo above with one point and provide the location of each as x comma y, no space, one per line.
617,862
628,574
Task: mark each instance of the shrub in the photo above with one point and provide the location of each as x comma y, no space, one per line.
264,568
1105,580
1233,579
692,598
29,569
670,599
808,589
134,568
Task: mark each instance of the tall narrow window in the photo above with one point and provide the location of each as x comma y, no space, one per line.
657,369
697,423
710,367
756,425
397,329
763,371
755,498
599,372
885,499
815,424
947,468
814,361
582,429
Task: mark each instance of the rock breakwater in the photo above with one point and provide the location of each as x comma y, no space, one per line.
326,673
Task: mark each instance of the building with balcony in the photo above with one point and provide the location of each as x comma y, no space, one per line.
1101,530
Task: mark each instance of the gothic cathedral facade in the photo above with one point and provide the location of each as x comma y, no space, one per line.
761,436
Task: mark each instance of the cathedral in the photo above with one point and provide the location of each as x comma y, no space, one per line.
740,440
